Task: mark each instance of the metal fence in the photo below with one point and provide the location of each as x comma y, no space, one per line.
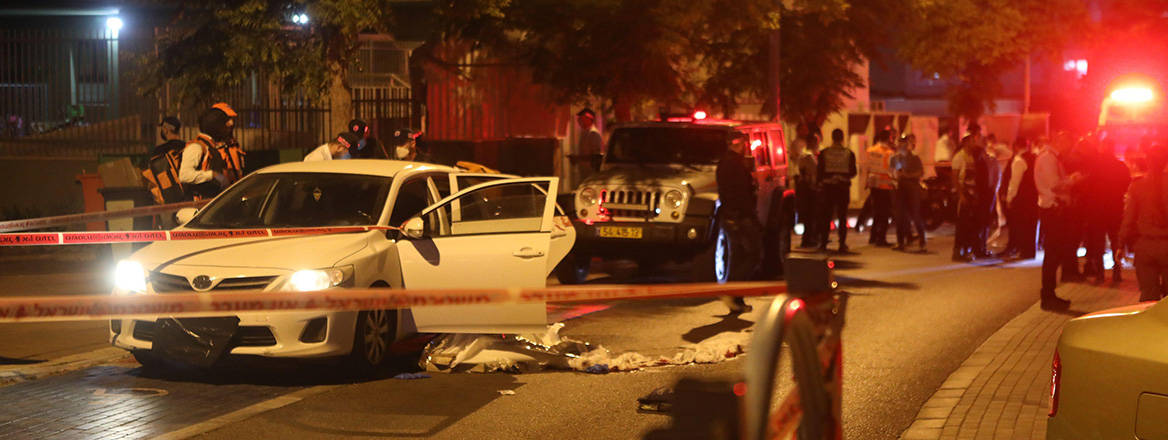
69,92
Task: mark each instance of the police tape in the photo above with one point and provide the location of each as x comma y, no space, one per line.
151,306
71,219
67,238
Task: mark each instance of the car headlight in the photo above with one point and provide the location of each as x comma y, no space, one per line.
588,196
319,279
129,276
674,199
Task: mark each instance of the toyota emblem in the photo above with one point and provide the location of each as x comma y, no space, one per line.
201,282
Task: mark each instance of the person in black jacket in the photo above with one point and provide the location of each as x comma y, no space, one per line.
738,216
837,168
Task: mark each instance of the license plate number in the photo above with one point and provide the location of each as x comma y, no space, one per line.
619,232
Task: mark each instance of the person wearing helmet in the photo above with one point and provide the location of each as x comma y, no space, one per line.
336,149
203,170
407,144
368,147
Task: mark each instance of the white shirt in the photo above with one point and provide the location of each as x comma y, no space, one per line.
943,151
1017,170
320,153
1049,179
188,170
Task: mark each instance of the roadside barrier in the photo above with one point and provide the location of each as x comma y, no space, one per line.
100,307
71,219
68,238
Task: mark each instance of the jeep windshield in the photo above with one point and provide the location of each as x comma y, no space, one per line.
296,200
667,145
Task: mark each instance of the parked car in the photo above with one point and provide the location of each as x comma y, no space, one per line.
1108,375
461,230
655,198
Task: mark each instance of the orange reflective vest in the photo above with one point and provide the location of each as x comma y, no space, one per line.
227,159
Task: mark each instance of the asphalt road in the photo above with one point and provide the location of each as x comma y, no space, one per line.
912,320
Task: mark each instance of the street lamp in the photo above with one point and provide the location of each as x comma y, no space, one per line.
114,24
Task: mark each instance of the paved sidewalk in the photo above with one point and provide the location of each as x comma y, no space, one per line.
1002,390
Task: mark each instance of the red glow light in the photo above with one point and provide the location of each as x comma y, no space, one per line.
755,144
1132,95
740,389
830,264
699,115
1056,372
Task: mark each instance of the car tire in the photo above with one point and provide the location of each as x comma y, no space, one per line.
574,268
713,263
373,336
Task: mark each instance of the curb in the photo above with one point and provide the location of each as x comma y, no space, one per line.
22,373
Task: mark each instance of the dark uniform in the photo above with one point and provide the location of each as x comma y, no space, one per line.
837,168
738,215
1023,210
1108,179
1145,229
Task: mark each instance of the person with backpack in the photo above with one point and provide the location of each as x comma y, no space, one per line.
213,160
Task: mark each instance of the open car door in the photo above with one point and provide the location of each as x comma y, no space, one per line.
494,234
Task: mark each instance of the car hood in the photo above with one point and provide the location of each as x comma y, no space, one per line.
701,179
289,253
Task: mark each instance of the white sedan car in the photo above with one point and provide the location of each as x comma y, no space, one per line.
469,231
1110,376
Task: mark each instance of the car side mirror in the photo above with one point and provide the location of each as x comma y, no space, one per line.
414,228
185,215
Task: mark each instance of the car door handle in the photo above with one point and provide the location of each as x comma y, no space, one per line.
527,253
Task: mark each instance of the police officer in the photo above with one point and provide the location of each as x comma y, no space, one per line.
837,168
806,191
738,216
203,171
1145,226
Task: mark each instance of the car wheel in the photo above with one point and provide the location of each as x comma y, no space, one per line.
375,333
574,268
713,264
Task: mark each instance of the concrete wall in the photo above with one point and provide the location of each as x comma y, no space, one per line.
42,186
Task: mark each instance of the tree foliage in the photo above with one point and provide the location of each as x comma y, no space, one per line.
711,53
212,45
971,42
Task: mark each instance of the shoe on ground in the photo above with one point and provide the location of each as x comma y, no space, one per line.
900,247
843,249
962,258
1055,303
883,244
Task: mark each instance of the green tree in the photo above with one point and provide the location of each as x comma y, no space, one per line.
711,53
971,42
212,45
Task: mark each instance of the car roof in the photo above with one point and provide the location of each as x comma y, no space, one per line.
372,167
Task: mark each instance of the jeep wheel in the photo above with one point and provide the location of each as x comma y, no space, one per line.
713,264
574,268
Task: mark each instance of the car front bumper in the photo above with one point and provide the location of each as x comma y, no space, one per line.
278,335
688,236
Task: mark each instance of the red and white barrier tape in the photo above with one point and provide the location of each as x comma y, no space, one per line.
71,219
150,306
65,238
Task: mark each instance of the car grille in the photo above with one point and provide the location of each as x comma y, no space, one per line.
631,203
246,336
167,283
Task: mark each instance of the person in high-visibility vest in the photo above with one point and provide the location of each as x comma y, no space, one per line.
212,160
881,184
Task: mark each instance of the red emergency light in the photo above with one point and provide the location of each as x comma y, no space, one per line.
1132,95
699,115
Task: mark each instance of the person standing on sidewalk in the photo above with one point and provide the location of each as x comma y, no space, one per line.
1022,203
836,169
881,184
908,169
1054,202
806,193
1145,226
969,179
739,216
1108,180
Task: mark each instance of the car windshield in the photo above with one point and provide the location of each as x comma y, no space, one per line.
287,200
664,145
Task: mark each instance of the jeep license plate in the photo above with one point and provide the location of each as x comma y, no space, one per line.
619,232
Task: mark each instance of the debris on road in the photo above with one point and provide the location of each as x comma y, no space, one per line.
507,392
528,353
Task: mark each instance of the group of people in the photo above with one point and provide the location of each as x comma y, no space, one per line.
823,181
181,170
